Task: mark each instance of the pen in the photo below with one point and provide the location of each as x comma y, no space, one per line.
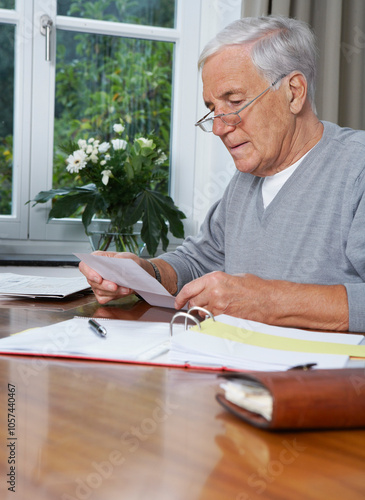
100,330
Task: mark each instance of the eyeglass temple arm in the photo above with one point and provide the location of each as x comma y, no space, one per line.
253,100
202,119
279,78
217,116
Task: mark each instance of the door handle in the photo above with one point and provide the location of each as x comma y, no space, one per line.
46,27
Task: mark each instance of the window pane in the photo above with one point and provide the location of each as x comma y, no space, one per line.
146,12
6,116
7,4
100,79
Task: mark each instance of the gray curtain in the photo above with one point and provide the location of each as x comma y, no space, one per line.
339,26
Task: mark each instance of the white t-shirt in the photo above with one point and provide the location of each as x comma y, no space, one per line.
273,183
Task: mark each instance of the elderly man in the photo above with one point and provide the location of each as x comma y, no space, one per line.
286,243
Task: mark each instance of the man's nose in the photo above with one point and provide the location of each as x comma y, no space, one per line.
221,128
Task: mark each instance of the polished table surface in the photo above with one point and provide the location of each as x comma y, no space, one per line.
109,431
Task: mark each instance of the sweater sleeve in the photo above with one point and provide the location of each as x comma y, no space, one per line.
356,301
202,253
355,251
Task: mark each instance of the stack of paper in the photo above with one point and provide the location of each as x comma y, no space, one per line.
250,395
125,340
218,345
17,285
241,344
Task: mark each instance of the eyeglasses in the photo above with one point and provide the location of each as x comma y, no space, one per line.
231,119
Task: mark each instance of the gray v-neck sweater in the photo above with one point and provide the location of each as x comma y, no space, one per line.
312,232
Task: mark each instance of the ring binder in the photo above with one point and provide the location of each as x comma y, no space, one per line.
187,315
198,308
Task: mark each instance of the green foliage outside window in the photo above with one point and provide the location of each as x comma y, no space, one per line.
148,12
7,4
6,115
99,80
6,172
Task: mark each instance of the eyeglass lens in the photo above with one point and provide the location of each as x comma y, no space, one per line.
228,119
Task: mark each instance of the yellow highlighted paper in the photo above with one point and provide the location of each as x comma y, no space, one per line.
258,339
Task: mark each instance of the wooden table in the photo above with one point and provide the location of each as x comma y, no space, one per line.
110,431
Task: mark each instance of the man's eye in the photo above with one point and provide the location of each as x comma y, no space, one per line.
236,103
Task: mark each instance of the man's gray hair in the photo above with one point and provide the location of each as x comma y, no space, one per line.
280,45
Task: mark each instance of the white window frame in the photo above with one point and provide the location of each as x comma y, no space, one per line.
16,226
27,232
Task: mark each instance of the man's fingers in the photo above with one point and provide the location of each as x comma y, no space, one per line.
104,295
91,275
189,292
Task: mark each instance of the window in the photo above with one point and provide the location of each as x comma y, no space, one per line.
7,36
97,50
7,4
100,79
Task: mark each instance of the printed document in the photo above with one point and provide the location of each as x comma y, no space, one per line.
17,285
126,272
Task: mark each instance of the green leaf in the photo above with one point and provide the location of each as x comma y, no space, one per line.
95,205
155,209
169,210
67,205
151,227
44,196
129,170
164,238
134,212
137,147
136,162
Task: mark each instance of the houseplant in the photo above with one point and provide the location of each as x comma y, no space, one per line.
119,180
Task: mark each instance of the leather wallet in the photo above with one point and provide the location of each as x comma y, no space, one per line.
306,399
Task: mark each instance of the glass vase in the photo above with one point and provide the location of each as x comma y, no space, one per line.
116,242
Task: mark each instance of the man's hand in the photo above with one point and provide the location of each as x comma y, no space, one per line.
240,295
105,290
273,302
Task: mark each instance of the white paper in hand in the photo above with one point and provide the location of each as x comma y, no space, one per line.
127,273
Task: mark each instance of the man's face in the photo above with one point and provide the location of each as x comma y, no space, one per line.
261,143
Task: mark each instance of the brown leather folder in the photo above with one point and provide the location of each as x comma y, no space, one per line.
311,399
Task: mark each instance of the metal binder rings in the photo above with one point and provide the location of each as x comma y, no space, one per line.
187,315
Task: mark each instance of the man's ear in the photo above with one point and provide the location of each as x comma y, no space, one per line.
297,92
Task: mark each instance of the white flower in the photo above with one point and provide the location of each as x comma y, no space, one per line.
106,174
82,143
145,143
104,146
89,149
119,144
118,128
94,156
162,158
76,161
103,162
